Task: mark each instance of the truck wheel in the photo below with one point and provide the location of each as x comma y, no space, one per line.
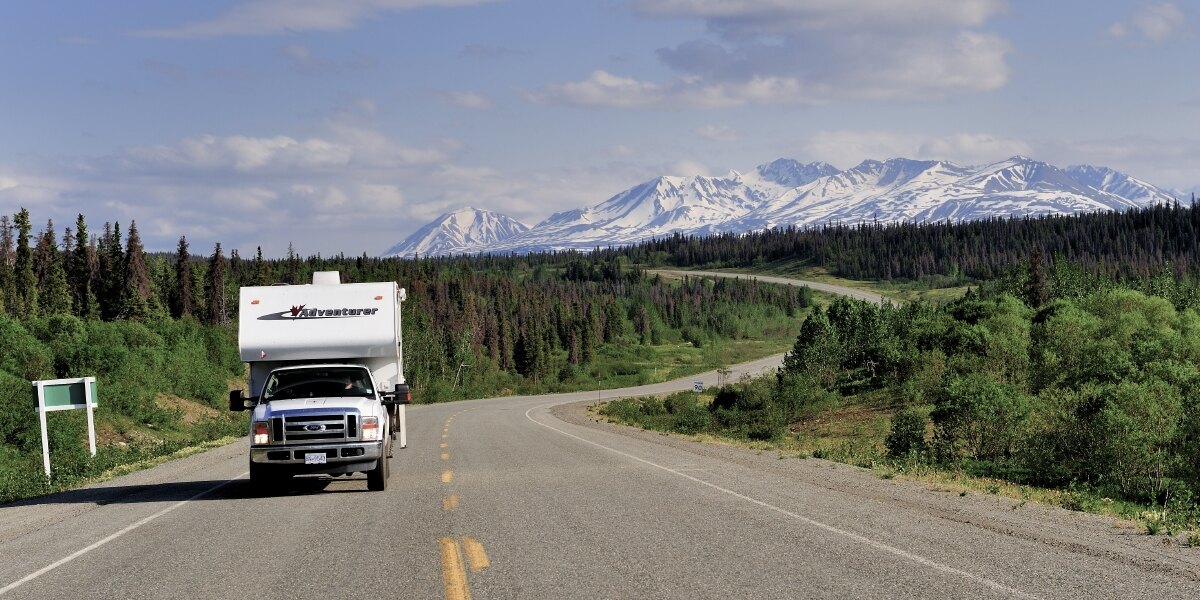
377,477
264,479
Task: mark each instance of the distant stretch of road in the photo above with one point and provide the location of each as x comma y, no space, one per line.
816,285
527,497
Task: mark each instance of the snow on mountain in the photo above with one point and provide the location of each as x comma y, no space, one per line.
466,230
787,193
1108,180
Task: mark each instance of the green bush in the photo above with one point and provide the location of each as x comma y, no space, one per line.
978,417
692,419
907,435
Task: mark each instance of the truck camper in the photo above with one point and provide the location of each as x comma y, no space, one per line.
326,389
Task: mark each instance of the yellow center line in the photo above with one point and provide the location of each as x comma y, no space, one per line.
449,504
444,445
447,475
475,554
445,456
453,575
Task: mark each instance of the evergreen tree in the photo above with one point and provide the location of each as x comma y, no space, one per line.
1036,292
183,296
137,300
162,284
111,273
95,281
24,279
214,289
8,289
292,272
259,276
54,296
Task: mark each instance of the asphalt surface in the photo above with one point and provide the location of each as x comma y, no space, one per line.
816,285
528,497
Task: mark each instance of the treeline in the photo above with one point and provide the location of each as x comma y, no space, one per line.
474,325
1135,244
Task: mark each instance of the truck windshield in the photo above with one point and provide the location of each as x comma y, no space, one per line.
324,382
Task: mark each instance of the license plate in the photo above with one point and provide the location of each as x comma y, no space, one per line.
314,458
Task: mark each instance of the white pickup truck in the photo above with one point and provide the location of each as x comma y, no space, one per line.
326,377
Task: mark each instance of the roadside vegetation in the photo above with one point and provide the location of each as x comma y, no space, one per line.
1049,382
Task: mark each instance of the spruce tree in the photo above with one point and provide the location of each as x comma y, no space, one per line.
8,288
137,294
111,274
183,296
95,282
260,275
83,300
24,279
1036,292
214,290
54,296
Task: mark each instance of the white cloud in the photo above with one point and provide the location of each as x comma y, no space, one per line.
471,100
689,168
20,188
801,52
1172,163
276,17
718,133
1156,23
605,90
749,17
241,153
847,148
303,58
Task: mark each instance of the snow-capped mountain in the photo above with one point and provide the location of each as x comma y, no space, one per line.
788,193
464,230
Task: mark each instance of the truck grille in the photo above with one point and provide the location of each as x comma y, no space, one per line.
299,429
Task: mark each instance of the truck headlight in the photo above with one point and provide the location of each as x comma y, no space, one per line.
370,429
261,434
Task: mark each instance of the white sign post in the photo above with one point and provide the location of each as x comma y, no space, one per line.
65,394
697,386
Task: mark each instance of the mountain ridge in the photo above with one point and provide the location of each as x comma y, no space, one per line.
785,192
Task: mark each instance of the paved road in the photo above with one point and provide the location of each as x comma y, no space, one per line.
525,497
816,285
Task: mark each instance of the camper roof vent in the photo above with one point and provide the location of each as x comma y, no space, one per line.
326,278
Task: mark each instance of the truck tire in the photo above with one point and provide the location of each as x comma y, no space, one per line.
264,479
377,477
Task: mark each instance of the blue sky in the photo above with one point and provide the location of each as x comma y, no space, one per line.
343,126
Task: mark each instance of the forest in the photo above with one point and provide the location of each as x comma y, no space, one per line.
159,332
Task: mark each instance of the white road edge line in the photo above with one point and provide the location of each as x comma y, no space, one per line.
830,528
30,577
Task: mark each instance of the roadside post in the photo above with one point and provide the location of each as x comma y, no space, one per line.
65,394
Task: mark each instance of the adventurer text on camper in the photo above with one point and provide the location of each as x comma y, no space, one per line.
302,312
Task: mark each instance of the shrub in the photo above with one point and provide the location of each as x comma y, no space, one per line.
692,419
678,403
978,416
907,435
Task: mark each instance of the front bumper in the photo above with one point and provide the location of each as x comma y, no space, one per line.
339,458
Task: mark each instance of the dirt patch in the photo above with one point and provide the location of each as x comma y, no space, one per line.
847,422
191,412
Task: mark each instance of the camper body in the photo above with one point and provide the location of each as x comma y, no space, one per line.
326,388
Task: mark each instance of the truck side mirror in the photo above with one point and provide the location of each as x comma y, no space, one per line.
400,395
237,402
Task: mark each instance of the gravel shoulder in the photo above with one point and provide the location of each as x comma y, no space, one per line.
1065,531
